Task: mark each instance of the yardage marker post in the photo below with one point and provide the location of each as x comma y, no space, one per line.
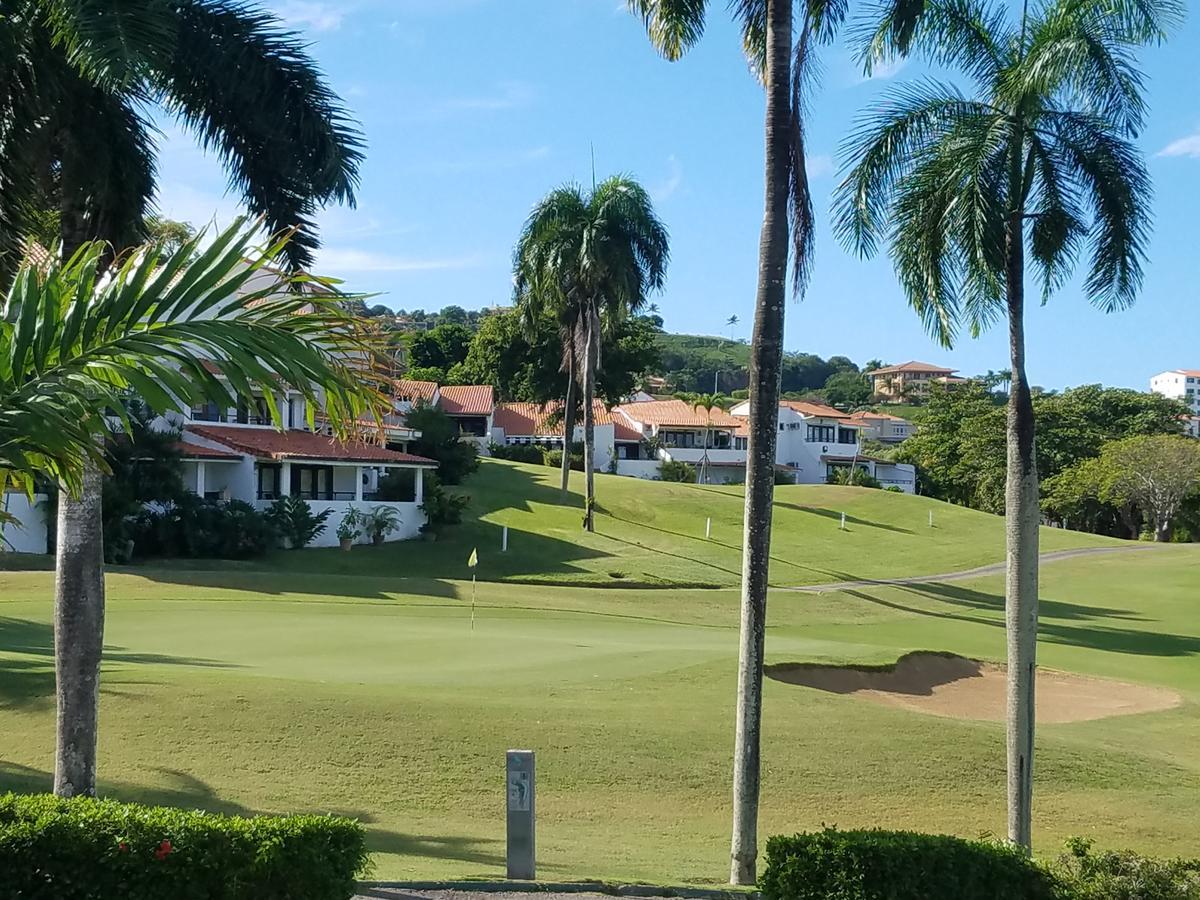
521,815
504,540
708,528
843,528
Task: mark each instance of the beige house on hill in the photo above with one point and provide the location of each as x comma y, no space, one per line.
909,380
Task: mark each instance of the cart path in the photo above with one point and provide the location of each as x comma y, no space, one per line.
961,575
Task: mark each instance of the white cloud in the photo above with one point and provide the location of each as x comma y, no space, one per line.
669,185
881,71
348,259
819,166
310,14
1185,146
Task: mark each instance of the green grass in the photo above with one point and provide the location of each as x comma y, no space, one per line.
294,690
652,534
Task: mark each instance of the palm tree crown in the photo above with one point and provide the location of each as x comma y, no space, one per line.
1043,141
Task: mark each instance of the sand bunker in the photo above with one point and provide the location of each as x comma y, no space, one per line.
943,684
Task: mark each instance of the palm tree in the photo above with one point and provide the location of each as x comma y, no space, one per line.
75,342
771,39
75,138
1038,159
589,260
732,323
706,403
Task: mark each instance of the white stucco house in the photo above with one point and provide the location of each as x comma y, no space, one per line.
883,427
541,424
675,430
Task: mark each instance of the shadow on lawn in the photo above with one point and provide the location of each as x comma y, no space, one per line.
1094,637
29,683
837,516
185,791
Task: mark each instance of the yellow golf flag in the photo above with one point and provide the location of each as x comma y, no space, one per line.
474,560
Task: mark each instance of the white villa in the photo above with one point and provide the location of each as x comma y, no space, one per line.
883,427
541,424
678,431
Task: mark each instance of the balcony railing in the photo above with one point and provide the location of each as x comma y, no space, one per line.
207,415
325,496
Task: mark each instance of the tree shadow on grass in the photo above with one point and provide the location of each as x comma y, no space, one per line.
837,516
1093,637
959,595
28,683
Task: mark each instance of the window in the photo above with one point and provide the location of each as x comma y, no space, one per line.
268,482
847,436
821,433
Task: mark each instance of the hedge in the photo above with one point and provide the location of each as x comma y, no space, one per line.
85,849
898,865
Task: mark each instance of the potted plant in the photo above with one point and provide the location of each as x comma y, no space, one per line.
380,522
349,529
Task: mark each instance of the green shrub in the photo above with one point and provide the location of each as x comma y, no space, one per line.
553,458
295,521
441,507
853,476
201,529
675,470
898,865
398,486
1086,875
85,849
526,453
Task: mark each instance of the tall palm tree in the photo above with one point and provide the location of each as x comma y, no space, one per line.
73,135
589,259
1037,160
781,52
73,341
706,403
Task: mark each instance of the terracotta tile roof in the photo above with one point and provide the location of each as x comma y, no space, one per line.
415,390
814,409
468,400
625,433
267,443
911,366
864,414
1191,373
195,451
677,413
540,419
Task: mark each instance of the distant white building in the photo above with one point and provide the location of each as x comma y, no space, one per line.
541,425
674,430
887,429
1179,384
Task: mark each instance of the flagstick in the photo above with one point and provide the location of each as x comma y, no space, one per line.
472,599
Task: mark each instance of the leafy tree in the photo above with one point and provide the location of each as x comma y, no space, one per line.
771,39
1039,158
677,470
440,348
588,260
295,522
440,441
74,343
1153,473
846,389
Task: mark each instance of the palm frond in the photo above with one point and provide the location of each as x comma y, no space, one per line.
250,91
972,35
674,26
1058,218
112,43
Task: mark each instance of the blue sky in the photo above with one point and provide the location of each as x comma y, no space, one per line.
473,109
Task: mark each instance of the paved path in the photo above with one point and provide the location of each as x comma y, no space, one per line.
565,891
963,575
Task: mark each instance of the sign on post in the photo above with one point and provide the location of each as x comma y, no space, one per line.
521,814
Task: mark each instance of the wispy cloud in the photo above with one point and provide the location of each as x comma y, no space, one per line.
312,15
884,70
1185,146
819,166
669,185
349,259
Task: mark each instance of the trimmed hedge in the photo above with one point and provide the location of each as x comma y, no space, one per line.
85,849
898,865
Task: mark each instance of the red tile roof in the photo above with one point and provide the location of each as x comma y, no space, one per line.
813,409
626,434
864,414
195,451
911,366
540,419
267,443
468,400
415,390
677,413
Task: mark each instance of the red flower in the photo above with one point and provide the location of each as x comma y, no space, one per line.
123,847
163,851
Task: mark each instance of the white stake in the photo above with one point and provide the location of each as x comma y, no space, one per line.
708,528
931,518
504,541
843,521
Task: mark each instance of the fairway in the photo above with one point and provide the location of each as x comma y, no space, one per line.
271,691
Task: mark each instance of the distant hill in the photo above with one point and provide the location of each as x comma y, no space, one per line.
691,361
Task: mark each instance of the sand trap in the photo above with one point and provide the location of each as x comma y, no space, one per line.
943,684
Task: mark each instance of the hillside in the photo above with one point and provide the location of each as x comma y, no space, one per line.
653,533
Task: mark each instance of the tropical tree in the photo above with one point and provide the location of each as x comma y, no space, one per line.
1037,160
589,259
74,137
771,38
732,323
73,341
705,404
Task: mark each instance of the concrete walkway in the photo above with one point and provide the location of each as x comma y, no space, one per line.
962,575
499,890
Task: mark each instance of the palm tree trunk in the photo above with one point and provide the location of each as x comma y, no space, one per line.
765,360
78,589
1021,569
78,636
569,413
589,425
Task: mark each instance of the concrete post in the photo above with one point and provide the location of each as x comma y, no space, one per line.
200,479
285,479
843,521
708,528
521,815
420,481
358,485
504,540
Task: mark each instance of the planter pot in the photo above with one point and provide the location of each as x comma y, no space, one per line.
346,544
378,539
